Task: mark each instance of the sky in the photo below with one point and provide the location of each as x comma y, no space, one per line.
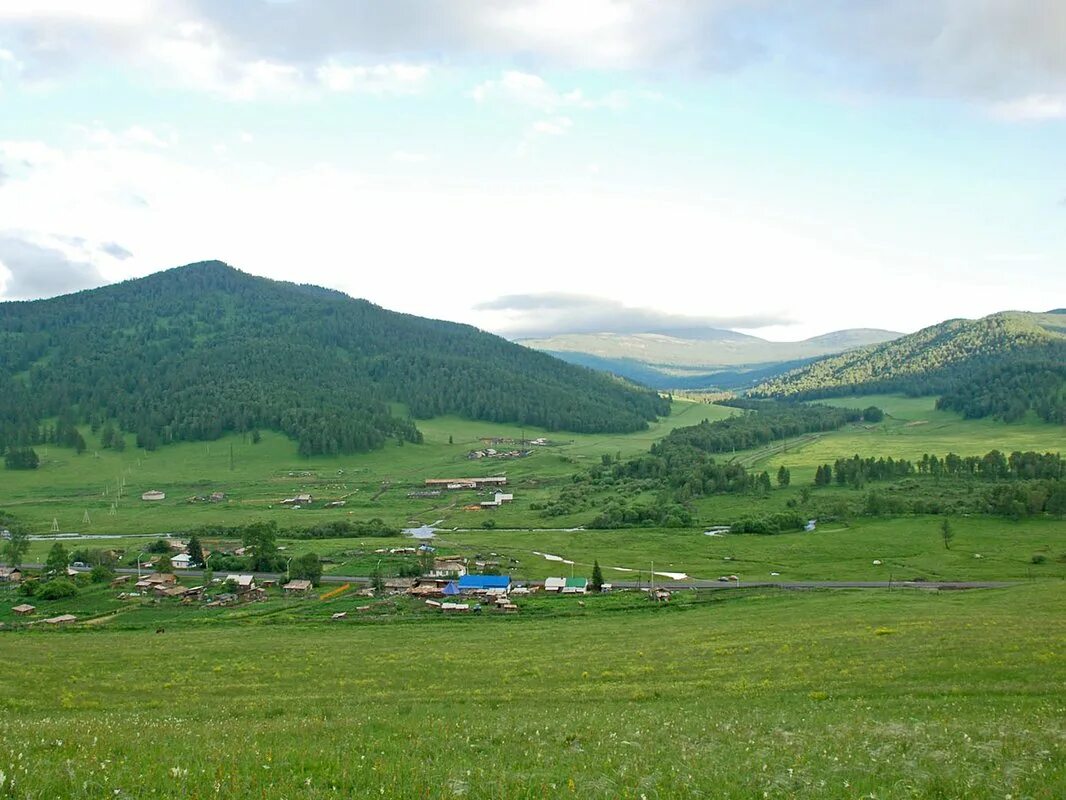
781,167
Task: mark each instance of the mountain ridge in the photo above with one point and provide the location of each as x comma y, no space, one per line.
971,363
195,351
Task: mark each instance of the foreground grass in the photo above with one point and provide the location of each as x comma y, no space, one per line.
843,694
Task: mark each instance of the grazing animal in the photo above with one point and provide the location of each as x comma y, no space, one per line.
160,630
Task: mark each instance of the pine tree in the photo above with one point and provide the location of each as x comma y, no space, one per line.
597,577
784,477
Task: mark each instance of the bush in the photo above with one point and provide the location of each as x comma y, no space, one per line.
1038,558
101,573
770,524
57,589
28,588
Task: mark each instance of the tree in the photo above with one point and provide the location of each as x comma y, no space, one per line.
261,538
784,477
597,577
257,437
873,414
307,567
58,559
195,550
15,547
947,533
21,458
377,580
164,565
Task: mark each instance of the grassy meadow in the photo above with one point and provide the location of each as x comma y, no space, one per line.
255,477
78,492
766,694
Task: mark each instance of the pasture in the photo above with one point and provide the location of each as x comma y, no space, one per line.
881,694
79,492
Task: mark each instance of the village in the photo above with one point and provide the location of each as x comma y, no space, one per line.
445,585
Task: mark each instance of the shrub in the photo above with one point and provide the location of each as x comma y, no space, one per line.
57,589
101,573
1038,558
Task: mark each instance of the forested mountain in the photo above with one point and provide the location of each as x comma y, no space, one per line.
1001,365
703,351
203,349
736,378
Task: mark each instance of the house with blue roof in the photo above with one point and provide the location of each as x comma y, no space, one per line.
484,583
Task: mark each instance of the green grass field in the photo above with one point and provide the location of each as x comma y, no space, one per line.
67,486
781,695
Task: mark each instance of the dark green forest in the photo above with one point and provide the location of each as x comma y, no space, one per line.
201,350
1004,365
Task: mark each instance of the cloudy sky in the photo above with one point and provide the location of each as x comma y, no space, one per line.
785,167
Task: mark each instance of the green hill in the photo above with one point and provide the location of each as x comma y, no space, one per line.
194,352
1000,365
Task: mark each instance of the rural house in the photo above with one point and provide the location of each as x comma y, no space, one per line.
484,583
447,568
10,575
554,584
24,609
576,586
296,587
181,561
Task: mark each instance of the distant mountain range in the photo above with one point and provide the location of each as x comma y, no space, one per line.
700,358
196,351
1001,365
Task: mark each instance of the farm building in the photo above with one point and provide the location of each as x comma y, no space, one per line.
181,561
298,500
153,496
474,483
24,609
159,578
454,607
576,586
244,583
484,583
554,584
447,568
62,619
296,587
498,500
10,575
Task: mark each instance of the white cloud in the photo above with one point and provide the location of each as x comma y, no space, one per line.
532,91
985,51
1033,108
376,79
556,126
407,157
136,135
